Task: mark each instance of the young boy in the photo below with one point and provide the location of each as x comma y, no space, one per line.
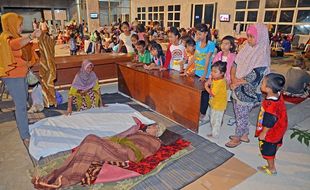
143,53
218,96
272,121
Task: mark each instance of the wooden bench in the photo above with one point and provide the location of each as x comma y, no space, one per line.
168,93
105,66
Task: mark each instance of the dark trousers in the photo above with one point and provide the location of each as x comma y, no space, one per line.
204,102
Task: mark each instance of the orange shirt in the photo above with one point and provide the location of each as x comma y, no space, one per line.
21,66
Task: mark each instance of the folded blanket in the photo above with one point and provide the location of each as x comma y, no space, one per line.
60,133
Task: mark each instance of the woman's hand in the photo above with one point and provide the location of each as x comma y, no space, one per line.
202,78
163,69
36,34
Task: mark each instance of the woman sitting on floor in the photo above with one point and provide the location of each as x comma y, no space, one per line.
85,90
136,143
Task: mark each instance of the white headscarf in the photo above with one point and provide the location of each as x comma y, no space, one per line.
250,57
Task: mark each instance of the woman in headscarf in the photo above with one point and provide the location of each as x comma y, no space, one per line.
16,56
132,145
85,90
251,65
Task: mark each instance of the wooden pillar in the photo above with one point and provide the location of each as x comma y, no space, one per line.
92,6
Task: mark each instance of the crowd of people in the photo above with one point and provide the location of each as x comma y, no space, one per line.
241,77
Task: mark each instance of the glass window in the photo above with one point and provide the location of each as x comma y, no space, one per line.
239,16
272,28
177,8
156,16
143,9
270,16
253,4
286,16
170,16
155,9
139,16
161,8
286,29
161,16
252,16
241,26
302,29
176,16
150,16
303,3
139,9
170,23
303,16
170,8
272,3
143,16
150,9
288,3
240,4
176,24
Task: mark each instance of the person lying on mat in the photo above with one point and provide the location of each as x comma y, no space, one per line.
132,145
85,90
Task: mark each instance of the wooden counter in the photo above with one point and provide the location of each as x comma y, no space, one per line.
168,93
105,66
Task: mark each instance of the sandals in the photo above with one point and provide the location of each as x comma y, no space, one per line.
232,144
266,170
232,137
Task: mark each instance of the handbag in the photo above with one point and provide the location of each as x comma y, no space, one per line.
31,78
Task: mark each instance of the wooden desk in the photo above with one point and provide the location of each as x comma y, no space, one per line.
105,66
168,93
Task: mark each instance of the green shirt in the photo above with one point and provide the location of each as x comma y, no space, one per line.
145,58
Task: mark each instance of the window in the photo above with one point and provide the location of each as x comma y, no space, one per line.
142,14
303,3
155,13
240,16
302,29
286,16
286,29
288,3
161,8
303,16
240,4
252,16
174,12
253,4
270,16
272,4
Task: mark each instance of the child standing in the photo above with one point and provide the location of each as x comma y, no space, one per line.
218,93
126,37
272,121
190,52
73,46
158,57
175,52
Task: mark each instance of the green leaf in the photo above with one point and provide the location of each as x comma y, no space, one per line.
300,138
293,134
306,141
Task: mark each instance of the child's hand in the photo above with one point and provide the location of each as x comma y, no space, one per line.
68,112
163,69
262,136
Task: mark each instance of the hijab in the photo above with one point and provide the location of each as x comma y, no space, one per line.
250,57
10,25
84,80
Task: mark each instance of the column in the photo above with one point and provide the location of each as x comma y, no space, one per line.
92,6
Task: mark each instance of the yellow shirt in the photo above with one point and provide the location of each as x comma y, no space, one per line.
219,100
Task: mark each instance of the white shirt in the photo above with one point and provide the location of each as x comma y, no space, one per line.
177,55
127,41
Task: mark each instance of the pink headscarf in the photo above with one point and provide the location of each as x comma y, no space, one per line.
84,80
250,57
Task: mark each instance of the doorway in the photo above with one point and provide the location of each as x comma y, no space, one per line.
204,13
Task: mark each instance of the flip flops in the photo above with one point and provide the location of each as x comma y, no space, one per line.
231,144
232,137
266,170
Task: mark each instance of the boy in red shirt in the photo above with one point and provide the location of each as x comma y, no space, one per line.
272,121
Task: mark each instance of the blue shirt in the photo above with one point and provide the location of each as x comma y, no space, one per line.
200,58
